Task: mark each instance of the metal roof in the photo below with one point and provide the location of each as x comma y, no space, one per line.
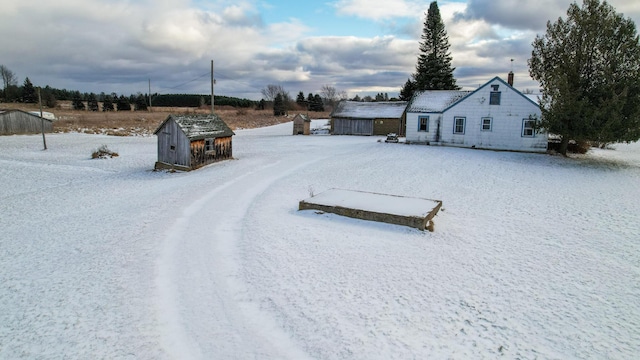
369,110
200,126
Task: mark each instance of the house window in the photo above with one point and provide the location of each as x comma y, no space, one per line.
486,124
494,98
208,145
423,123
458,125
528,128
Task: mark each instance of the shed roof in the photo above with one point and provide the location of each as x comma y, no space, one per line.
200,126
303,117
435,100
369,110
30,113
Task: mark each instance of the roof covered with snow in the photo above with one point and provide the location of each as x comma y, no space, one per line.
200,126
435,100
369,110
31,113
302,117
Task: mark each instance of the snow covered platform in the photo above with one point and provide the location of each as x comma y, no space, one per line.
392,209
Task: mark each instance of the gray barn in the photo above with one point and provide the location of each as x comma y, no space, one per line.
187,142
13,122
368,118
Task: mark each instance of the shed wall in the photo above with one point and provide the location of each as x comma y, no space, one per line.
173,145
344,126
222,150
386,126
17,122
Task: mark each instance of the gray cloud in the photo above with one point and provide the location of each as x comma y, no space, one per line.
91,47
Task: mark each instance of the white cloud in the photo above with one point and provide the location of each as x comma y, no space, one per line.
377,9
93,46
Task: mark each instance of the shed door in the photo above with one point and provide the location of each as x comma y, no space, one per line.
353,127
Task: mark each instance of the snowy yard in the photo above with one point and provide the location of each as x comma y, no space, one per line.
533,256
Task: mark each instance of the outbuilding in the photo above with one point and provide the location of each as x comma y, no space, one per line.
494,116
301,125
368,118
187,142
15,122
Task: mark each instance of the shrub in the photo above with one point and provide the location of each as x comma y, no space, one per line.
103,152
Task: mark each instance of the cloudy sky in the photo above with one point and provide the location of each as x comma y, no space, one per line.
357,46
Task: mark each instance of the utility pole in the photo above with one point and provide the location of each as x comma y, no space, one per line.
44,140
213,81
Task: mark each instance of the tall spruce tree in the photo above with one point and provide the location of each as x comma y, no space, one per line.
107,103
123,104
433,70
92,102
589,68
77,101
29,92
300,98
278,105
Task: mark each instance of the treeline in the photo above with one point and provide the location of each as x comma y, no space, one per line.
195,100
28,93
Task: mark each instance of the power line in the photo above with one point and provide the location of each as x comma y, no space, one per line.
190,81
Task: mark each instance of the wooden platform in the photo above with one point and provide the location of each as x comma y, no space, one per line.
391,209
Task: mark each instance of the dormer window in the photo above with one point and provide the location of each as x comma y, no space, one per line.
494,97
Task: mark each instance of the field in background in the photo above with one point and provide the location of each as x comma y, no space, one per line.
125,123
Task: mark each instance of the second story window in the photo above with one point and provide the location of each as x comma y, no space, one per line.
494,97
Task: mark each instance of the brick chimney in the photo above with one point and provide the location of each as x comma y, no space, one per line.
510,78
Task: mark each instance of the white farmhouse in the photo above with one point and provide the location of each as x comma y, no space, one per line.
495,116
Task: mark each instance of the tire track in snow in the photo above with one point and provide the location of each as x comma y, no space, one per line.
202,303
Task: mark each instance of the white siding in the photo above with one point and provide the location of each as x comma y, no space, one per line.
506,124
415,136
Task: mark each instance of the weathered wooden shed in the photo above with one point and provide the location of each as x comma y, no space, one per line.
187,142
368,118
13,122
301,125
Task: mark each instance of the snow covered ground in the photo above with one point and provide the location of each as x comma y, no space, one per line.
533,256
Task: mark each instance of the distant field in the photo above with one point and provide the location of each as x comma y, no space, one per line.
125,123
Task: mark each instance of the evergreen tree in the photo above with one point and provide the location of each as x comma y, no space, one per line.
589,68
29,92
310,102
356,98
318,104
406,93
48,98
77,101
107,103
123,104
141,103
300,100
434,71
278,105
92,102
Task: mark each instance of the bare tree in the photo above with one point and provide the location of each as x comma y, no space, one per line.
271,91
329,94
8,77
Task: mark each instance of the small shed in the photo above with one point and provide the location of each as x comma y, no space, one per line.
14,122
301,125
368,118
188,142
